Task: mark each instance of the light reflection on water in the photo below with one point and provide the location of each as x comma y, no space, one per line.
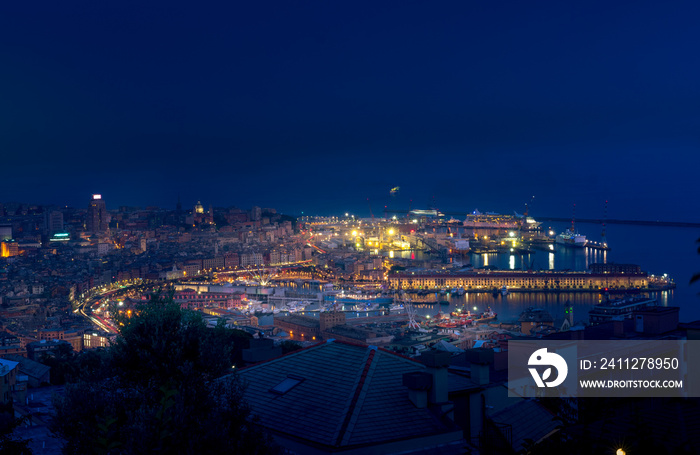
507,307
676,255
510,307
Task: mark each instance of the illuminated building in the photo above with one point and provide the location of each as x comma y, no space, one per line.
521,280
73,337
8,249
199,208
299,327
93,340
60,237
96,220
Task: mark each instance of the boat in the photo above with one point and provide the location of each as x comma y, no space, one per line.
486,316
396,308
458,313
358,299
448,325
444,302
571,238
504,290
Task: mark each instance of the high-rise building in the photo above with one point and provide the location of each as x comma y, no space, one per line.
255,213
96,215
54,222
6,232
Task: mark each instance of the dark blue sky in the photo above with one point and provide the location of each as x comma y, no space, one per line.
317,106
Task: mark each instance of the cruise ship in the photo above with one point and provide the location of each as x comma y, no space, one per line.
478,220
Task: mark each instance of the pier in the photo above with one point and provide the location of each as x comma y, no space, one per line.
682,224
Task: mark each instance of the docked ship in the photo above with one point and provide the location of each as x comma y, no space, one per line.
357,299
467,317
478,220
571,238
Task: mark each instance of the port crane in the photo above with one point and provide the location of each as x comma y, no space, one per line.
604,240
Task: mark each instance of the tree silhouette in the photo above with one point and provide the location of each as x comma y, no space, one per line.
158,391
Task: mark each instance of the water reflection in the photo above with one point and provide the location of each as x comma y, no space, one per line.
511,306
560,259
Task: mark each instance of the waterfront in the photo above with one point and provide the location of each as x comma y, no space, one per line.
658,250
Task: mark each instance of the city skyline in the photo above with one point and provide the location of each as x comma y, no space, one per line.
328,227
317,108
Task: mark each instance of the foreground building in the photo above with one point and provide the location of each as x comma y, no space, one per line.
337,397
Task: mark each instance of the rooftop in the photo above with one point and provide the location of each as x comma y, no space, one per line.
339,395
298,319
29,367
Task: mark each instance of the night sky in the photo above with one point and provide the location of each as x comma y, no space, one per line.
317,106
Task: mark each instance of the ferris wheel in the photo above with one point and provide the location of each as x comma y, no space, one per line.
411,311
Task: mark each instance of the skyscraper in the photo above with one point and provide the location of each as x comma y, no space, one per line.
54,222
255,213
96,215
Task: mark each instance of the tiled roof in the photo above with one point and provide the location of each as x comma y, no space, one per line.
29,367
350,395
529,420
9,364
298,319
